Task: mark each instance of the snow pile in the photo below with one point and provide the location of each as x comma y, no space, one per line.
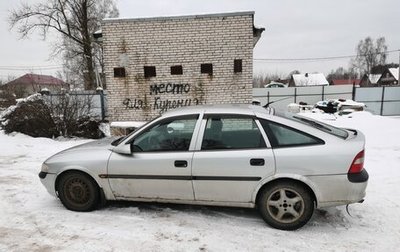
20,101
105,128
375,126
128,124
32,220
38,117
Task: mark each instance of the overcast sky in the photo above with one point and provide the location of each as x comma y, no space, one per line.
293,29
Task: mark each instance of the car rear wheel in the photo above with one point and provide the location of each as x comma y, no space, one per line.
78,192
286,205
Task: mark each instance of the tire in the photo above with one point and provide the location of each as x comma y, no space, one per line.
78,192
286,205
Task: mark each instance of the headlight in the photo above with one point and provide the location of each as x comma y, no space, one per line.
45,168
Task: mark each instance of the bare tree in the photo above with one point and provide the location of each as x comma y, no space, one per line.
369,54
68,109
75,21
342,73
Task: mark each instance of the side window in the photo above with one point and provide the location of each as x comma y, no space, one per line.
284,136
231,133
168,135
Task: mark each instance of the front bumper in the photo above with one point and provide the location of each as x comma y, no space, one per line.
42,174
49,181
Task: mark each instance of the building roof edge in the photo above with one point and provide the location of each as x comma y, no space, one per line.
227,14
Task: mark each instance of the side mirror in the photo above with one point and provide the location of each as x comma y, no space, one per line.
124,149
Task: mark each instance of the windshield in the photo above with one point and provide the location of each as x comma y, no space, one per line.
342,133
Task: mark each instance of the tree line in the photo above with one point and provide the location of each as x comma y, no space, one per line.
371,56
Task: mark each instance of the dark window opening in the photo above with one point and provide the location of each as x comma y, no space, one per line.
119,72
207,68
149,71
237,65
176,70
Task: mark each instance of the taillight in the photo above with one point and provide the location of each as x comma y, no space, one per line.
358,163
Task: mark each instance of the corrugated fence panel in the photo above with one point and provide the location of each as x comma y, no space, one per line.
391,105
371,97
379,100
338,92
280,97
309,95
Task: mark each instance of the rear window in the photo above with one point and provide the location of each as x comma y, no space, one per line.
283,136
320,125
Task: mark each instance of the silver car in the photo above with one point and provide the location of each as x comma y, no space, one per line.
225,155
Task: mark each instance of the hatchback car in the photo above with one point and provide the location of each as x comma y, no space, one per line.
225,155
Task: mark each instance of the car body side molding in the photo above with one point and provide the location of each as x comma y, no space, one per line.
224,178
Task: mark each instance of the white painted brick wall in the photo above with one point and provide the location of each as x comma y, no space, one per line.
186,41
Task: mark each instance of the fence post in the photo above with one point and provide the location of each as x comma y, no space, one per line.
103,110
323,93
267,97
353,92
382,99
295,95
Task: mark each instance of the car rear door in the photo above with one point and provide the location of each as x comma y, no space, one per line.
231,158
160,164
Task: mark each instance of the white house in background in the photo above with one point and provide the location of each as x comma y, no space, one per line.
370,80
389,77
308,79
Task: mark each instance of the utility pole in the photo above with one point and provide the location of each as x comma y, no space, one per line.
398,77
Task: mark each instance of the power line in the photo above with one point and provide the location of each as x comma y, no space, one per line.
314,59
323,58
17,68
52,65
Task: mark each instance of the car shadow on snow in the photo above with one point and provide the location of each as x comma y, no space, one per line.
169,209
334,217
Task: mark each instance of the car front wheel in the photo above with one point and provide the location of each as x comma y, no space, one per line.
286,205
78,192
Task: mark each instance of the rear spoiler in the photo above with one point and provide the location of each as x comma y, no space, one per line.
353,130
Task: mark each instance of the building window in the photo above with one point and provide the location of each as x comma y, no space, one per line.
149,71
176,70
119,72
237,66
207,68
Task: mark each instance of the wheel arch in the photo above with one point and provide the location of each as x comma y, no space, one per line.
301,181
99,187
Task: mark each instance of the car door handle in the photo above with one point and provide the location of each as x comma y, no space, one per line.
257,162
181,163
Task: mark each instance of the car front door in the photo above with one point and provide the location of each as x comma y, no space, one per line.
232,159
160,164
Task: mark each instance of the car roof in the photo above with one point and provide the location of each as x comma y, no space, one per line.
243,109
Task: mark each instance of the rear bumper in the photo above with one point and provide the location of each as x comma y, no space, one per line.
358,177
335,190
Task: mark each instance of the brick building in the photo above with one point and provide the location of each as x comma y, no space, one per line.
156,64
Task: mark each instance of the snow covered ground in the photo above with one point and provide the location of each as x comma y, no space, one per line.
32,220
